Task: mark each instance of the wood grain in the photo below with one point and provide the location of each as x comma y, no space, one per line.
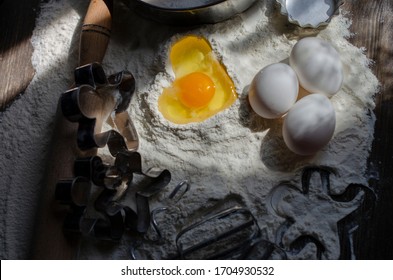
50,242
17,20
373,28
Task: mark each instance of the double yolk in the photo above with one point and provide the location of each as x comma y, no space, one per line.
201,87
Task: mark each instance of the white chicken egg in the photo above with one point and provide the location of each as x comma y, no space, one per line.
309,124
317,65
273,90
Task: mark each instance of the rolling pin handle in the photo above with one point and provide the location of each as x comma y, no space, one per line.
96,31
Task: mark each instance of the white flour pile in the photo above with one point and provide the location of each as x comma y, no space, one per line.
235,154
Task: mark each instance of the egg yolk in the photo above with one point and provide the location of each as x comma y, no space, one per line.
195,90
201,87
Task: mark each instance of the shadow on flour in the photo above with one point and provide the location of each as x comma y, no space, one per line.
273,152
277,25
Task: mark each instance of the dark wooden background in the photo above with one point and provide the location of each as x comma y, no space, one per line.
373,28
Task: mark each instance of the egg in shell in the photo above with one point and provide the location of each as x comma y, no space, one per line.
202,86
309,124
273,91
317,65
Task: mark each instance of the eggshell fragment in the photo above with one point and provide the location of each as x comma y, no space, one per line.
273,90
317,65
309,124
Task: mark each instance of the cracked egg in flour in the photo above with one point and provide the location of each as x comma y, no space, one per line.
202,86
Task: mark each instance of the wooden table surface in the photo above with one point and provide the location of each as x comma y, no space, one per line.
373,29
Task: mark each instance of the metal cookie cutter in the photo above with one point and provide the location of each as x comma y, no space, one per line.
306,13
108,95
106,217
93,100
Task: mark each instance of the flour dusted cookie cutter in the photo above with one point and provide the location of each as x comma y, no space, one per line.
111,94
306,13
105,218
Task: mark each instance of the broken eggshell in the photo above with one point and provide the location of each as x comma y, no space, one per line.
306,13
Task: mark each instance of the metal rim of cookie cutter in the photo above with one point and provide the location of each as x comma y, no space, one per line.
302,13
105,217
116,90
114,180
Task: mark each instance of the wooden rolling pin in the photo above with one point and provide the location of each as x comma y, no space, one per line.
49,240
